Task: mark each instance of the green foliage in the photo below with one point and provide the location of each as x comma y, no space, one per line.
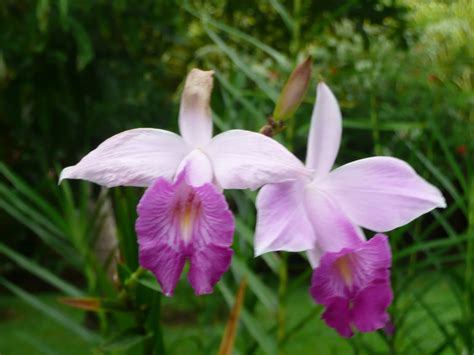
74,73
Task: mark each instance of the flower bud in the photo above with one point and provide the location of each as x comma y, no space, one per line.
294,91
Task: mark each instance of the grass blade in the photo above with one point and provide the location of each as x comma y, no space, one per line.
40,271
54,314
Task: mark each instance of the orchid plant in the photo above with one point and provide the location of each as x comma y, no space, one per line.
183,215
323,215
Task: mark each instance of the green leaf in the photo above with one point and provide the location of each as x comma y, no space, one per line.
40,271
51,312
254,328
48,238
271,259
286,17
442,178
125,340
85,51
237,95
277,56
29,193
244,67
42,14
63,7
149,281
263,293
432,244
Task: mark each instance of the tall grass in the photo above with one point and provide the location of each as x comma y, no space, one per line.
392,106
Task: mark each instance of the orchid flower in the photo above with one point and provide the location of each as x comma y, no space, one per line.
324,213
183,214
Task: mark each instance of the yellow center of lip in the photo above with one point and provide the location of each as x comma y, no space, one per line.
187,221
343,265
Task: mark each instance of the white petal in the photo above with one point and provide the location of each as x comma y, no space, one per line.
195,119
282,223
325,132
132,158
334,231
314,256
243,159
381,193
198,168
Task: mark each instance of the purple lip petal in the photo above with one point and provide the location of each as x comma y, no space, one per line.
338,316
177,222
370,305
354,285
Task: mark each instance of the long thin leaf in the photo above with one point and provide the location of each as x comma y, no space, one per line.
54,314
40,271
263,293
255,329
235,58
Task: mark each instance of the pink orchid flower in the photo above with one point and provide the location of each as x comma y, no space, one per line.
324,213
183,214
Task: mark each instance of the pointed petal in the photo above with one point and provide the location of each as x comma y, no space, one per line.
337,316
333,229
243,159
325,132
282,223
195,118
177,222
381,193
132,158
370,306
314,256
198,168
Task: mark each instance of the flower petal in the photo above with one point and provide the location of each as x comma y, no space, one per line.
198,168
337,315
359,279
314,256
369,312
346,272
195,118
243,159
136,157
177,222
333,229
282,223
325,132
381,193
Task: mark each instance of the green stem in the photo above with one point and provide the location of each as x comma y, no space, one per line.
374,118
294,49
295,40
159,346
469,275
282,291
130,283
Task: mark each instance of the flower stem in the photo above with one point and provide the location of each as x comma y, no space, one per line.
374,118
282,288
469,274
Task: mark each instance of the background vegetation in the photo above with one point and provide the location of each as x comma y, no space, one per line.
74,73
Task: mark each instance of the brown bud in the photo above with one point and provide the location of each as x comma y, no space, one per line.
294,91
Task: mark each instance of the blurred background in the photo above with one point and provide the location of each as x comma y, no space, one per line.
73,73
